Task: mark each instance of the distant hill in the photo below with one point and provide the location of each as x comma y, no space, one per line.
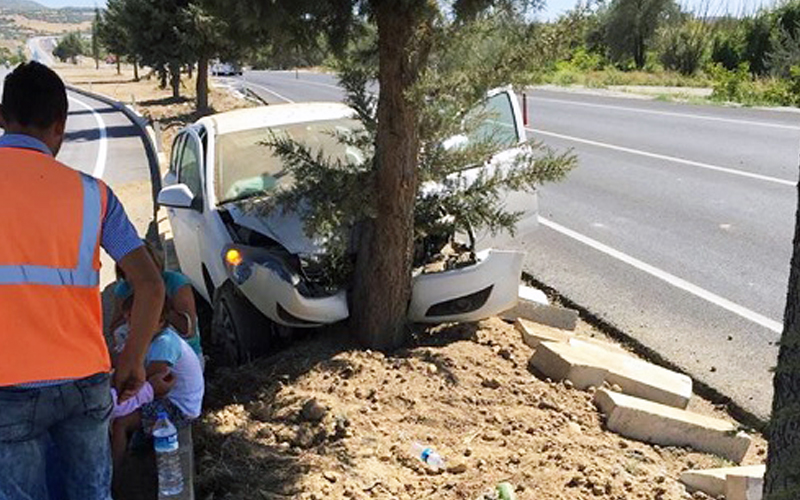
21,5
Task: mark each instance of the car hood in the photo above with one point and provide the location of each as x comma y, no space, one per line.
284,227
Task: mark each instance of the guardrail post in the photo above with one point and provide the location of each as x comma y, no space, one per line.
525,109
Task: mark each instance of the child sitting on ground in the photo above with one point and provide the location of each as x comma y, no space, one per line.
176,381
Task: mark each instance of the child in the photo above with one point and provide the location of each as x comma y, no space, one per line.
182,315
175,378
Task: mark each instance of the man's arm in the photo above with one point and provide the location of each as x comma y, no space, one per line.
148,300
119,239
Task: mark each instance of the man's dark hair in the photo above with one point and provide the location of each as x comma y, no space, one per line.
34,95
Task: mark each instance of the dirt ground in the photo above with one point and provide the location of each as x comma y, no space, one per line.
323,419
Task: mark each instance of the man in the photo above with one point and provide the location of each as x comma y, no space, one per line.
54,364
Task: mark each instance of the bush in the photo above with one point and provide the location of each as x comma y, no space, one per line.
729,85
683,47
70,47
727,48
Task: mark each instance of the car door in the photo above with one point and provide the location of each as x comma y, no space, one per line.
187,222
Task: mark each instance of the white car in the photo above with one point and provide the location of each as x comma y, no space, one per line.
225,68
261,273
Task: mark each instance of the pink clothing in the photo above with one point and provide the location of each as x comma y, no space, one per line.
145,395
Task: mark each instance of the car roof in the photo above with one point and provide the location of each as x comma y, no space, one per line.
276,115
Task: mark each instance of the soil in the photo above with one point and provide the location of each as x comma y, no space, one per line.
324,419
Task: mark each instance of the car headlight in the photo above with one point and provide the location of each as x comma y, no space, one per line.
239,261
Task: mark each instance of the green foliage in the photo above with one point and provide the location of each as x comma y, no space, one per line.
785,50
70,47
466,59
727,47
630,26
757,43
729,85
683,47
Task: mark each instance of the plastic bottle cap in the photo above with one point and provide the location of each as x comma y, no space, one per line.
162,414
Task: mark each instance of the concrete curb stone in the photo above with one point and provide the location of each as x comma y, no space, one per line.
587,364
655,423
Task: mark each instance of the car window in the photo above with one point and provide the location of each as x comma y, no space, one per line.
245,166
497,121
176,149
189,169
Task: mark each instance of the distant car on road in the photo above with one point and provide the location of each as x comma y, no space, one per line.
225,69
261,273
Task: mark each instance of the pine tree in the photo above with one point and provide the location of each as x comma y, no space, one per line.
432,68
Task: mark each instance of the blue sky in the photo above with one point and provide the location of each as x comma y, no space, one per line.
552,10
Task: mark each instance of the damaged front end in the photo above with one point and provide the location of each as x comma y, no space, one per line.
289,288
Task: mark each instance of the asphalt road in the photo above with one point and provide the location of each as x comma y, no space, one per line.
676,227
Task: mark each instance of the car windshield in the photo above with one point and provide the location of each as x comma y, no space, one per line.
246,167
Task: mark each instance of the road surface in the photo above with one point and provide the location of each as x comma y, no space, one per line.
676,227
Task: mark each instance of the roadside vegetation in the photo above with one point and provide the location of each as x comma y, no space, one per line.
752,59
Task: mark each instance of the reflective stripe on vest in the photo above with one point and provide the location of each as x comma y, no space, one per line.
84,275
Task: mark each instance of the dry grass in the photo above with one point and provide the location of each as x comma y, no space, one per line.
48,27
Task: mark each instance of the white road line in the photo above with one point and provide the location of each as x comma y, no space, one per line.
673,280
667,113
674,159
102,151
269,90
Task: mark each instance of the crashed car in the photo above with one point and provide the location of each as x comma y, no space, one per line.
261,273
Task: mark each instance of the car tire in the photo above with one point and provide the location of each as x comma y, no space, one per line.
240,333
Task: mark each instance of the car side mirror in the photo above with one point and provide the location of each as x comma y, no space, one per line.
177,196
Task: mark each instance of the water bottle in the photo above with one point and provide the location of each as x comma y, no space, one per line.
428,456
168,460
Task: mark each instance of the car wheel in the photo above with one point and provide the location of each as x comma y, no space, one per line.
239,331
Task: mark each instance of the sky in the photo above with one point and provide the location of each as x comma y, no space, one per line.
72,3
552,9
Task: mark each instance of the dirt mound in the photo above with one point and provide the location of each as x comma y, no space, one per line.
323,419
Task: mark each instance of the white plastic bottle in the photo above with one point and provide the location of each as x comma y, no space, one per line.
168,460
427,455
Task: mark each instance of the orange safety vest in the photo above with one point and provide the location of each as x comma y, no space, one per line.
51,325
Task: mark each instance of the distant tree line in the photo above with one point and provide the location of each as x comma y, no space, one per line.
167,36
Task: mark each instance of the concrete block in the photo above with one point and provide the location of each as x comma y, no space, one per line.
555,316
534,333
533,295
560,361
588,364
745,483
709,481
734,483
655,423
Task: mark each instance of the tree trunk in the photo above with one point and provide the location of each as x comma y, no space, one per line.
382,286
782,480
639,57
162,77
175,80
190,70
202,84
135,70
119,70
